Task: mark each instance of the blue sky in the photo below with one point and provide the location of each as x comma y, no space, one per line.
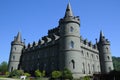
33,18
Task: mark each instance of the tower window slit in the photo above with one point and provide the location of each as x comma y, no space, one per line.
73,64
71,44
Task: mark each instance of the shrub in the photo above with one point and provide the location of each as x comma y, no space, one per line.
43,73
7,73
67,74
86,78
38,73
27,74
16,73
56,74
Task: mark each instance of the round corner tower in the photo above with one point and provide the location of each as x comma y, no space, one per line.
105,54
15,53
70,42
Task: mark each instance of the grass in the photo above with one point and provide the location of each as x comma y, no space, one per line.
18,78
2,76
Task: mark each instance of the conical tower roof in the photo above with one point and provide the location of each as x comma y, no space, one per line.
101,34
68,12
18,38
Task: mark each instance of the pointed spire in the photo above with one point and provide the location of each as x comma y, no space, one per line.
101,36
68,12
18,38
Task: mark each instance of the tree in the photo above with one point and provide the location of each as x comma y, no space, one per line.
38,73
116,63
56,74
3,67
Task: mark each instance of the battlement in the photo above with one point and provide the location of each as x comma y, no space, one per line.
54,30
43,42
105,41
70,19
88,44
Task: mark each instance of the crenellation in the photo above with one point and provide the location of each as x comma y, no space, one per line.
88,44
33,44
46,39
51,36
85,42
53,31
29,45
39,42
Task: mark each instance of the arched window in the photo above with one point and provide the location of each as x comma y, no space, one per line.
93,68
89,68
107,49
73,63
13,57
83,65
11,69
82,52
87,54
98,68
71,44
108,57
71,29
15,48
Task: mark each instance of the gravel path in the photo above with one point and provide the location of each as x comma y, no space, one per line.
8,79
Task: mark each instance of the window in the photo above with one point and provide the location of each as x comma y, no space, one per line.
96,56
71,29
82,52
98,68
83,68
11,69
73,64
93,68
107,49
89,68
92,55
108,57
13,57
87,54
71,44
14,48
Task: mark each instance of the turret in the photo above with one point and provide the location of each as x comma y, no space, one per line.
70,42
15,53
105,54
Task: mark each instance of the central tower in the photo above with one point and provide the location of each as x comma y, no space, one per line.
70,42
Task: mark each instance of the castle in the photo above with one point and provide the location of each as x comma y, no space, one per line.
63,47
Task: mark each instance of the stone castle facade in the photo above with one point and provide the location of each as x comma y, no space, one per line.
63,47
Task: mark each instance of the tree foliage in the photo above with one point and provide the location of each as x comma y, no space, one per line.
116,63
56,74
3,67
